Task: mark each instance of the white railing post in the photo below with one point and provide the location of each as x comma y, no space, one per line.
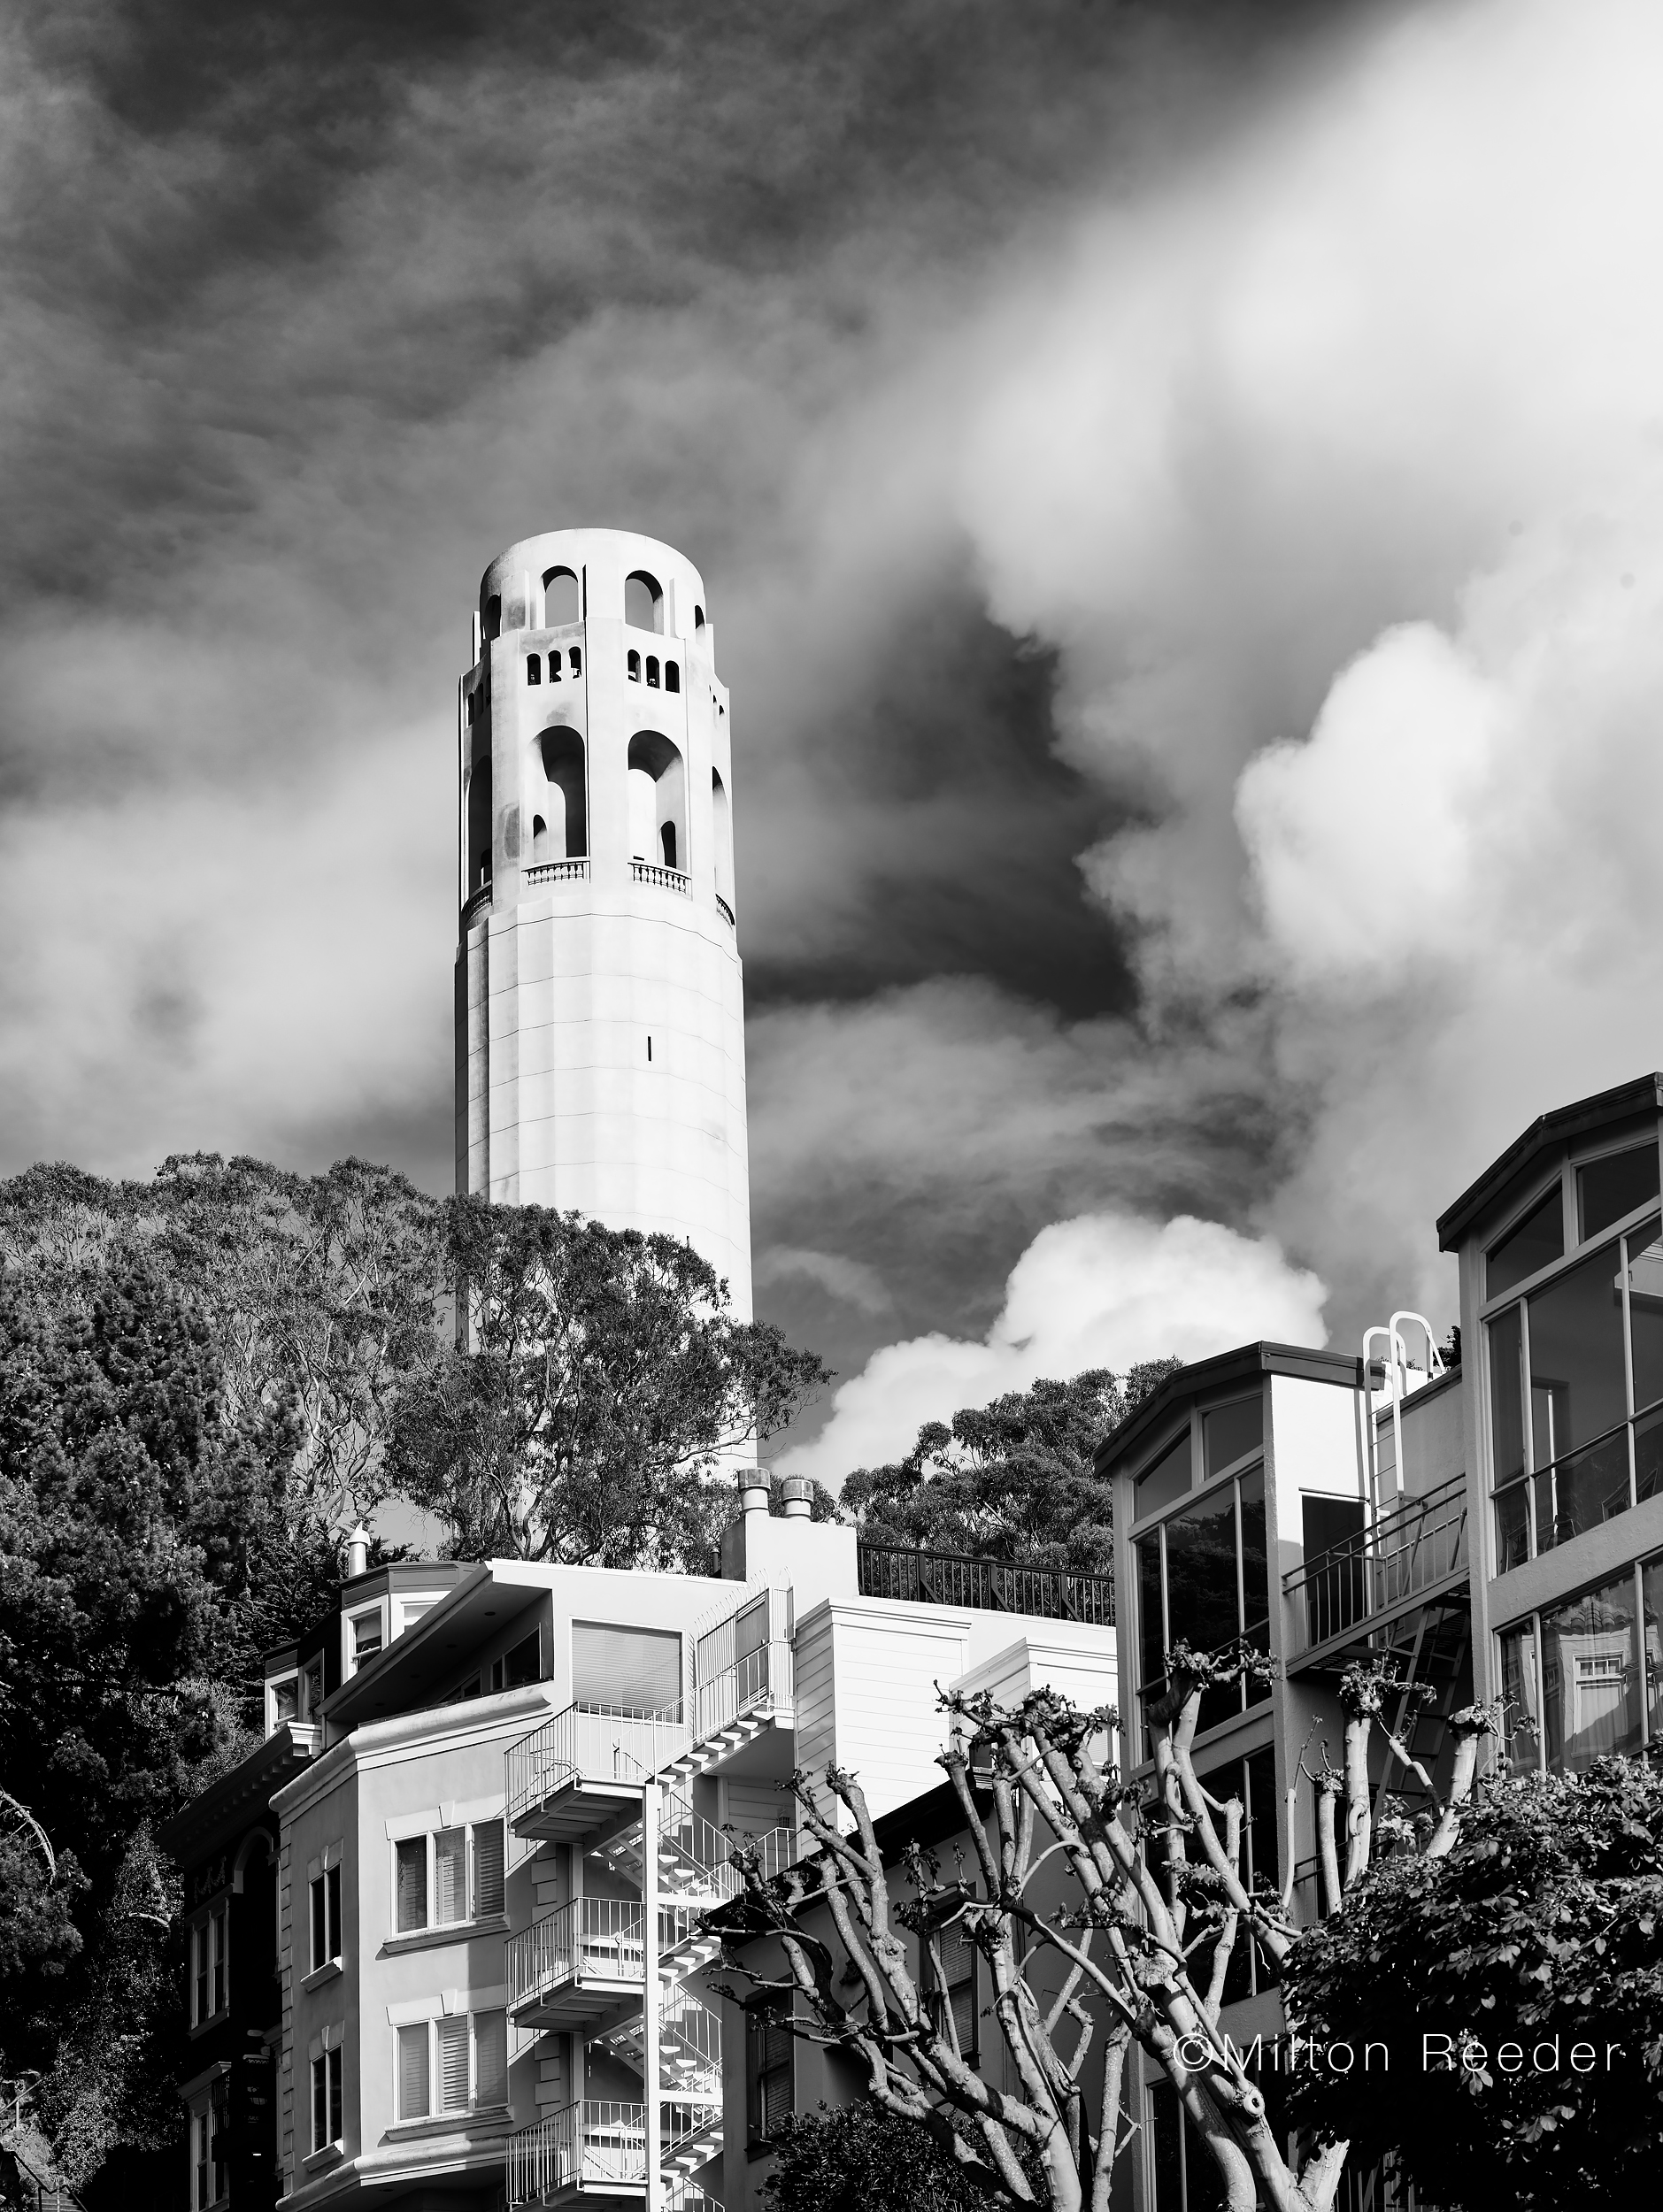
649,1982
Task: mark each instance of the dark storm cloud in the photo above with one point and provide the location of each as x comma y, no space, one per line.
313,307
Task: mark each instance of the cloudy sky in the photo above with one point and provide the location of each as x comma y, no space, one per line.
1178,485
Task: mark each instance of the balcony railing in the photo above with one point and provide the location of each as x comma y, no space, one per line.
476,906
663,879
597,2143
1405,1554
593,1939
942,1578
556,871
761,1682
727,910
582,1745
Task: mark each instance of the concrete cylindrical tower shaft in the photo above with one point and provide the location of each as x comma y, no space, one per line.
599,1000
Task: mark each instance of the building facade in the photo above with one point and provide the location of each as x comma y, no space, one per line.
1495,1529
599,1002
466,1881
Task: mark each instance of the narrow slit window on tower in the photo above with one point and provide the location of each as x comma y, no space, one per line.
494,617
698,618
652,672
672,677
554,668
649,1047
666,843
577,660
634,668
533,668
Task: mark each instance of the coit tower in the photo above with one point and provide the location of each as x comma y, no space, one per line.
599,1002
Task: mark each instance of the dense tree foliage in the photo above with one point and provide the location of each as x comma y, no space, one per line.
1532,1956
205,1381
600,1375
862,2158
146,1556
1013,1480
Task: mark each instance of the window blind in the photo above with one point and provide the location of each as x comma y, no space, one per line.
413,1884
412,2072
453,2084
625,1670
490,2057
450,1876
488,1869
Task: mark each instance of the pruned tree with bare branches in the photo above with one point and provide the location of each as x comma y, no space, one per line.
1127,1902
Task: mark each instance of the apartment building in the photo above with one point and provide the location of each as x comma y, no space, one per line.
465,1871
1495,1528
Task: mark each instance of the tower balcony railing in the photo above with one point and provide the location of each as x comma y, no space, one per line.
1406,1555
661,879
611,1748
944,1578
726,911
476,905
556,871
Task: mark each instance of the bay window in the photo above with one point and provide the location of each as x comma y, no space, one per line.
1203,1572
1575,1392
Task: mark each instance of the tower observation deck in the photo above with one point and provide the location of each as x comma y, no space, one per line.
599,998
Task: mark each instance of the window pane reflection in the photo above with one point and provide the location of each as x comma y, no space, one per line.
1648,1456
1577,1385
1512,1528
1506,1393
1583,1491
1151,1634
1230,1432
1590,1676
1522,1720
1646,1312
1606,1189
1650,1609
1538,1239
1166,1482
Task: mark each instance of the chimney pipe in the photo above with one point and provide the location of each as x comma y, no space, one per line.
357,1552
795,1494
753,1491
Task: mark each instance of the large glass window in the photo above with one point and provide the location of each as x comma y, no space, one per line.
1253,1781
1230,1433
1520,1696
449,1879
1651,1619
1590,1680
1606,1189
1537,1242
1204,1578
459,2063
1577,1388
1645,1312
1570,1366
1167,1481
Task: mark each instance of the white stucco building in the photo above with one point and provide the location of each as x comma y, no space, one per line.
599,1004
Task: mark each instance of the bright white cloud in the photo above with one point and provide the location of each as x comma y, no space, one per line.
1102,1290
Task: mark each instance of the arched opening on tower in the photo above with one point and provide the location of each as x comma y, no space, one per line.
562,601
643,602
493,617
561,804
478,825
722,821
658,800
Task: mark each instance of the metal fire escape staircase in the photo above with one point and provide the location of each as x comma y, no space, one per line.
605,1786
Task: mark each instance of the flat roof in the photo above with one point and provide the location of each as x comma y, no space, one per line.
1244,1363
1546,1133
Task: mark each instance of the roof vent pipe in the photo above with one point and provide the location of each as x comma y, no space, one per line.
358,1553
754,1490
795,1494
